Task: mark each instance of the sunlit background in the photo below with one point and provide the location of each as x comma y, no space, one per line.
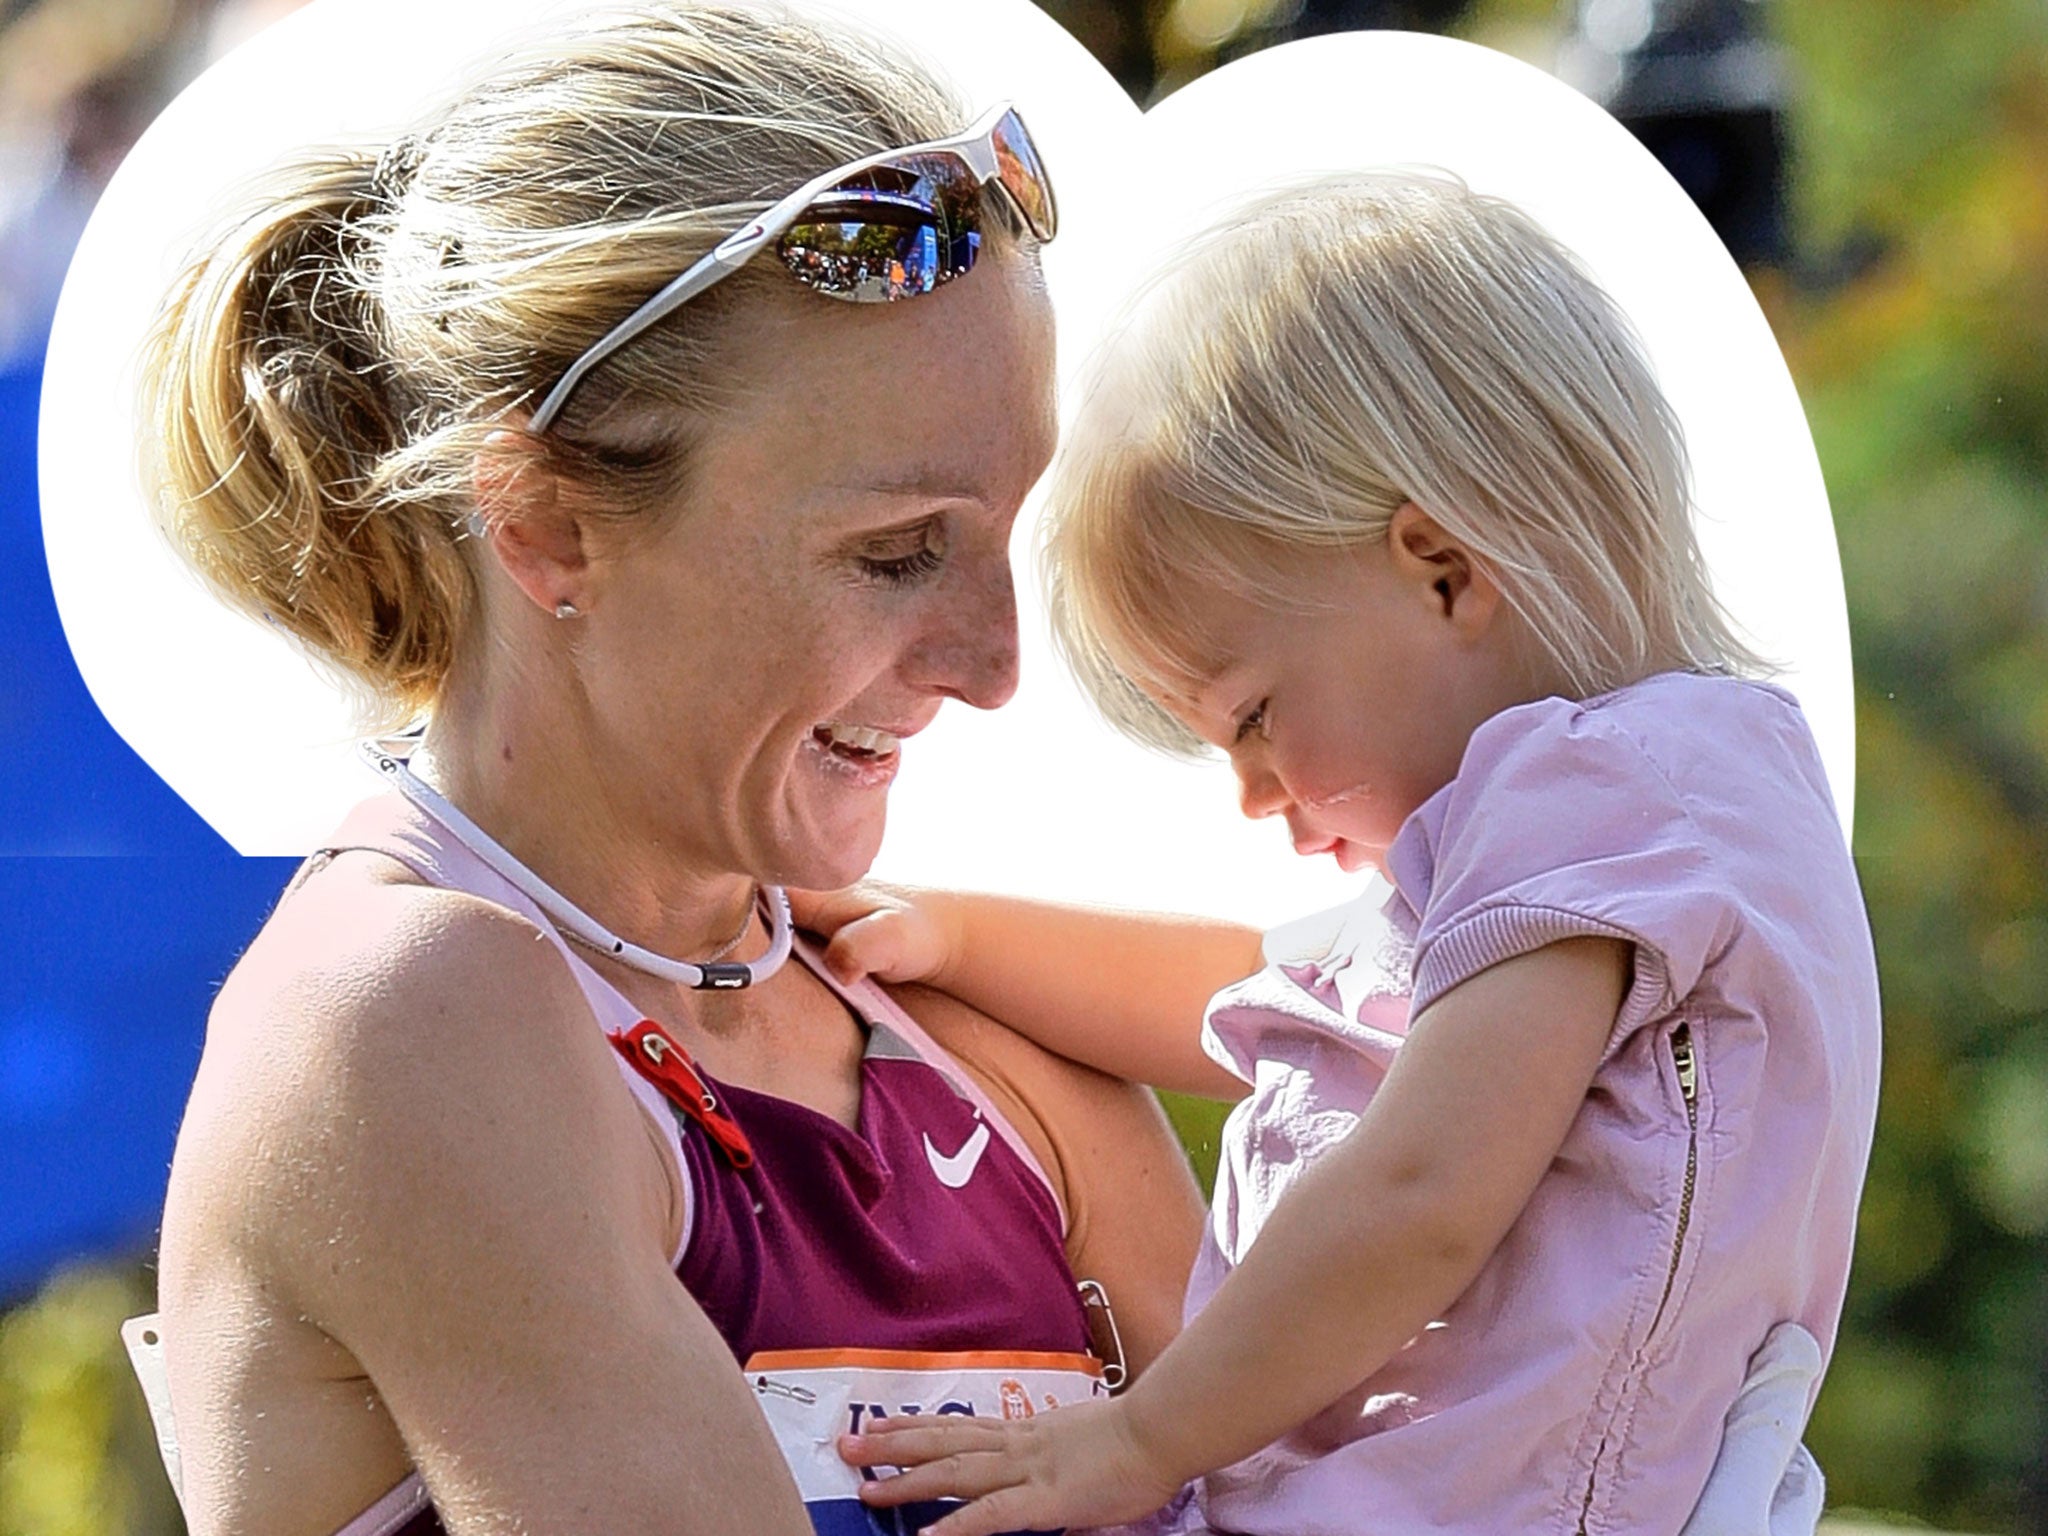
1879,167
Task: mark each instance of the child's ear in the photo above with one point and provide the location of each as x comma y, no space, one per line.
1442,570
533,535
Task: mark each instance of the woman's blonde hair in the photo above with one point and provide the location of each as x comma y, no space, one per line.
1330,352
323,376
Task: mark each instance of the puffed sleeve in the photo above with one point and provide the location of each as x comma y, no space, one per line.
1560,825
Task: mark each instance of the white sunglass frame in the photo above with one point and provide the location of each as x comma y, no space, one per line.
974,145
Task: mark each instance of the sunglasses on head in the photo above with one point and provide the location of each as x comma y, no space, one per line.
889,226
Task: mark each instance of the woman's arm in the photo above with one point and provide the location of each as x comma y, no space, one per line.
437,1169
1405,1211
1134,1215
1123,992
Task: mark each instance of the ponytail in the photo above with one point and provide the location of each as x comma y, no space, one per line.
325,374
272,407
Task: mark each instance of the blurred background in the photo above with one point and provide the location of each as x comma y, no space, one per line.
1879,168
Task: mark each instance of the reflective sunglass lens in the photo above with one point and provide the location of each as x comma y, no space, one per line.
944,183
1023,175
875,263
895,231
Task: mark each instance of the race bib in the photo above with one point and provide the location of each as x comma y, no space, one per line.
811,1397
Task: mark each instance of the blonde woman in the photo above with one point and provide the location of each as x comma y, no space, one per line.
650,422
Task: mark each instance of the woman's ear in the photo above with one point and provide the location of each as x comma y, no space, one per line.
529,529
1439,567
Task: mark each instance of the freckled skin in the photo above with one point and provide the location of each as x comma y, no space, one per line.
670,725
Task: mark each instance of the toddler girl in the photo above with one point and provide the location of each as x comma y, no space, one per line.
1377,495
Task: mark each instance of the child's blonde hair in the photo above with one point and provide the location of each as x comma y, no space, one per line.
1333,351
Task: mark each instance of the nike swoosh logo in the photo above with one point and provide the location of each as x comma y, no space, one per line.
955,1171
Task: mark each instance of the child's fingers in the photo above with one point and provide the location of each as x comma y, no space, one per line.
959,1458
912,1440
964,1475
884,944
829,911
1007,1509
861,948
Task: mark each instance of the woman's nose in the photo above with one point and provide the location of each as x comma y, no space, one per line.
973,657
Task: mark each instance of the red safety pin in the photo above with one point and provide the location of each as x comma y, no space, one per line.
668,1066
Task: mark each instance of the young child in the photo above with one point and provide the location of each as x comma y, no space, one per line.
1377,495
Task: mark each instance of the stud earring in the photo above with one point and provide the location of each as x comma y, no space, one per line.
567,610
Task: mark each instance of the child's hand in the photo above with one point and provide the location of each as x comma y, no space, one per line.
1074,1466
892,933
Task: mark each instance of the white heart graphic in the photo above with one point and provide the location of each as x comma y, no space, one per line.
1039,797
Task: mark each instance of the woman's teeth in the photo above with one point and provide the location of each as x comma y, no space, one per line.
857,743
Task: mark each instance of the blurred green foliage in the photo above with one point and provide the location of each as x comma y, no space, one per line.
77,1455
1915,319
1921,133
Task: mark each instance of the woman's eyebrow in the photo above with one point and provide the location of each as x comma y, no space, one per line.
929,483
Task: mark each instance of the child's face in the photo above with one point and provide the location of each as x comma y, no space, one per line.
1345,718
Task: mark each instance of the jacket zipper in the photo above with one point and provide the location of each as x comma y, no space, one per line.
1686,1060
1687,1063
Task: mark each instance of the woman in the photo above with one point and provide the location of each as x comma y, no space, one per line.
674,603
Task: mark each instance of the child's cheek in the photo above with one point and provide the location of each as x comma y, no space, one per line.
1329,774
1342,804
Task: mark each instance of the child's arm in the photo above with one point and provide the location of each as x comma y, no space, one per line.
1122,992
1372,1244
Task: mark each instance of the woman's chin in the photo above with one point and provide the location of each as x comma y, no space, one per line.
827,870
830,852
828,830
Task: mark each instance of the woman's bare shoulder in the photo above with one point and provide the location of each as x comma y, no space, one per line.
410,1157
380,1039
358,981
350,947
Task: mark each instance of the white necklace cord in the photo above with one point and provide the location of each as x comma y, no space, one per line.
731,944
712,976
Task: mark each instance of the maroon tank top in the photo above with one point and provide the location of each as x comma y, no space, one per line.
913,1263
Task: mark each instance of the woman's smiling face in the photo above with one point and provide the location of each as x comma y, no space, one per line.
838,569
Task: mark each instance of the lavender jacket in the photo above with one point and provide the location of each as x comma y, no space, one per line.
1708,1187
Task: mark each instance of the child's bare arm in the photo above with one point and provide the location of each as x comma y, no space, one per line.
1404,1212
1122,992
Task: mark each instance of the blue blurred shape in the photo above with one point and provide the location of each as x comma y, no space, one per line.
71,784
107,989
43,1065
120,912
